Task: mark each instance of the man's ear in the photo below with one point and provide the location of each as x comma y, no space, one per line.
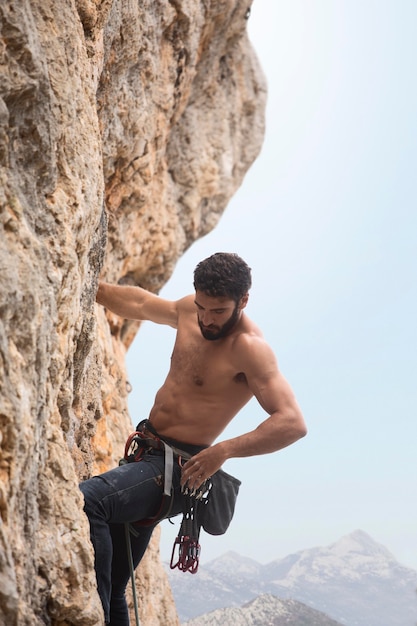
243,301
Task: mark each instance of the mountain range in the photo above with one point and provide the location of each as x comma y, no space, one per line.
355,581
265,610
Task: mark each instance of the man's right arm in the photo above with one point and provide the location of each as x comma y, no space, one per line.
135,303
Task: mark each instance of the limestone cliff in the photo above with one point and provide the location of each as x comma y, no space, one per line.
125,128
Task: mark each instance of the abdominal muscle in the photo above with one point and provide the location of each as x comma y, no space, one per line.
193,415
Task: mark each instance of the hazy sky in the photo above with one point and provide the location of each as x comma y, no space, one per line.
326,218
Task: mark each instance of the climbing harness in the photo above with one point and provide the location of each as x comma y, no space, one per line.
210,507
145,438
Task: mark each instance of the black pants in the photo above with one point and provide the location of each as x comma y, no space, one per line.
127,493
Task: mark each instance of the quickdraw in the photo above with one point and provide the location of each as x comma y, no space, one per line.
188,537
188,554
187,540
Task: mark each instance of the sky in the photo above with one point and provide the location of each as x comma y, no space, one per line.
327,219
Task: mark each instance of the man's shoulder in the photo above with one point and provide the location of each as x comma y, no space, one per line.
185,306
248,339
186,303
248,332
250,342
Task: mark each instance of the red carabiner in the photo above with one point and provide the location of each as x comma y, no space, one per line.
188,554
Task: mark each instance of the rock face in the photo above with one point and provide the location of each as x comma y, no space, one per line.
125,128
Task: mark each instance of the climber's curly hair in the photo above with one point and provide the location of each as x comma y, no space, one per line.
223,275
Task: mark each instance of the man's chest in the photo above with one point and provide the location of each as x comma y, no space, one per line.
204,364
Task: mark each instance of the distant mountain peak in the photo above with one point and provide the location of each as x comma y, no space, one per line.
233,562
359,541
353,581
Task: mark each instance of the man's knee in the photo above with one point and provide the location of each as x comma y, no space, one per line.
89,494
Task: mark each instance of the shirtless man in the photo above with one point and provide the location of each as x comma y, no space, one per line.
219,362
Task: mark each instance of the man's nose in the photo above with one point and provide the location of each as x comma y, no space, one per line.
206,318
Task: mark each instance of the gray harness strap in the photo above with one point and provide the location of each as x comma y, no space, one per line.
170,452
169,468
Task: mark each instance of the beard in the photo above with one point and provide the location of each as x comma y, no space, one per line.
212,333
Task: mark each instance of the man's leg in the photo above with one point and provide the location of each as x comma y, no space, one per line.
127,493
119,615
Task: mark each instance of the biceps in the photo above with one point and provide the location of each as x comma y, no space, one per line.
160,311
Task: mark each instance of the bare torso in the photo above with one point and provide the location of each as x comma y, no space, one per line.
206,385
220,360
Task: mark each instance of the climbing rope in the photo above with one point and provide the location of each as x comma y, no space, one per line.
132,572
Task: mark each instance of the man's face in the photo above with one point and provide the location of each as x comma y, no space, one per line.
216,316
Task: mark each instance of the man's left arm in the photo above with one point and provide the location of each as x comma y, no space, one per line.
284,426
